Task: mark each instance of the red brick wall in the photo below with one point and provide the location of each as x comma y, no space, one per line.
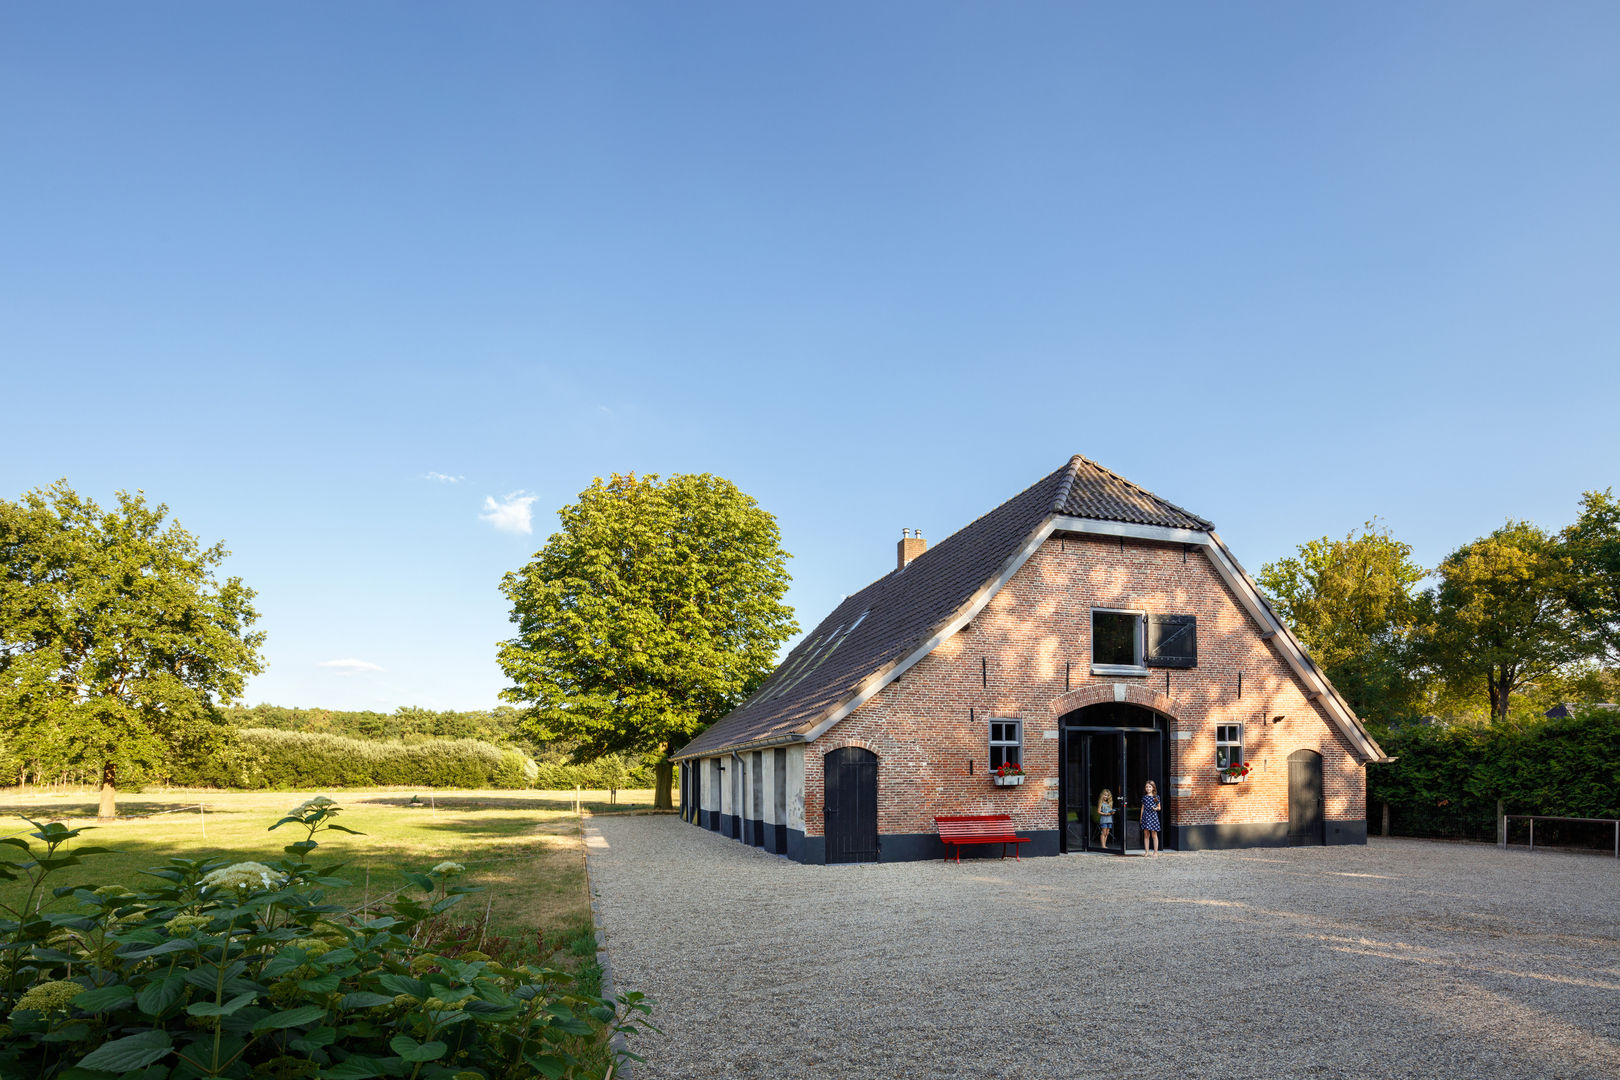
1041,620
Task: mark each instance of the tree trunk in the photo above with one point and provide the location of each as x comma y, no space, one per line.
108,810
664,772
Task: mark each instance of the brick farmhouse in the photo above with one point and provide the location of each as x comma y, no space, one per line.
1085,635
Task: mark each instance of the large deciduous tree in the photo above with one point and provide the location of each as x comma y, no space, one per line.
117,642
1499,619
1593,546
654,610
1353,604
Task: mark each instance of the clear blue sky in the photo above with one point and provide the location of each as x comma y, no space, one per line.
1289,265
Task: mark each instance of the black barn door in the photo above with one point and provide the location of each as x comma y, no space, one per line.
851,805
1305,798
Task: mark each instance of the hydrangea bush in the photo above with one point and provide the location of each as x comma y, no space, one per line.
244,971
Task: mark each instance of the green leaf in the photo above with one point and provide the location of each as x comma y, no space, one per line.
103,998
321,984
421,881
158,997
411,1050
363,1000
130,1052
314,1039
548,1065
173,945
208,1008
354,1067
403,984
286,1018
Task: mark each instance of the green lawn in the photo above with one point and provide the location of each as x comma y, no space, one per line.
524,847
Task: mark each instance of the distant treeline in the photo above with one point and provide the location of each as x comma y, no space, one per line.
499,726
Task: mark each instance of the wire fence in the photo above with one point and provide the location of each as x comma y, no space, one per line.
1564,833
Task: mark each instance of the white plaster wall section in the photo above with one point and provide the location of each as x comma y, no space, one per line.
767,787
795,788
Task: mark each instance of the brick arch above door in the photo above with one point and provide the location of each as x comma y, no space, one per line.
1101,693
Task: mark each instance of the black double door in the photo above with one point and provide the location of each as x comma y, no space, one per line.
1117,762
850,805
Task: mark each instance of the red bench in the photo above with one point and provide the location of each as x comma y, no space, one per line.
978,829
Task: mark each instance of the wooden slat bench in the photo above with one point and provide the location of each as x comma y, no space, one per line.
978,829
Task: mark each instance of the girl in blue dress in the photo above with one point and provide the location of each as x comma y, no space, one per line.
1150,818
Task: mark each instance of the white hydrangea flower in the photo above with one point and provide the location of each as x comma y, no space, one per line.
245,875
448,869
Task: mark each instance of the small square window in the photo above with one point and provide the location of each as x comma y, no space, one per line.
1006,743
1228,745
1116,638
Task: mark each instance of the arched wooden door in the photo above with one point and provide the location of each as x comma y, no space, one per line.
1305,824
849,805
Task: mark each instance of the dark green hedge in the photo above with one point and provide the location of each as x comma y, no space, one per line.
1446,780
269,758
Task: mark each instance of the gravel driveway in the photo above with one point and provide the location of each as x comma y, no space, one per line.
1403,958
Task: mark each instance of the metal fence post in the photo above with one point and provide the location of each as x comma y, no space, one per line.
1532,834
1501,826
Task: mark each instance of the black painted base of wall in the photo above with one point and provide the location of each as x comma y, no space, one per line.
1347,832
1267,834
911,847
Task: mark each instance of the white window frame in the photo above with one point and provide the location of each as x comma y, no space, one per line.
1016,743
1220,744
1138,668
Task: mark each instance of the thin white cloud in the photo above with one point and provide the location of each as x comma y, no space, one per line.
350,666
443,478
514,513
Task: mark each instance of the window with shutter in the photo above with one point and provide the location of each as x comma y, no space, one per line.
1172,641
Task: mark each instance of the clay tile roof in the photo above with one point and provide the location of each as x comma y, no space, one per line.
878,627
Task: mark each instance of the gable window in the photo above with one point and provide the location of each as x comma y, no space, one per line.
1172,641
1116,641
1006,743
1228,746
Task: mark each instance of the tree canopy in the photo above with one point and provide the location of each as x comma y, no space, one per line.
1353,604
1499,617
117,643
1593,543
654,609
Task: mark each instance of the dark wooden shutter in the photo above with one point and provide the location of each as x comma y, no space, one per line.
1172,641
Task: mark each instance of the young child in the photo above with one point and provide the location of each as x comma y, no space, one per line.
1150,818
1105,814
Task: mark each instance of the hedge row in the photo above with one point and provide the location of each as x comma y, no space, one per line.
1446,781
608,773
271,758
